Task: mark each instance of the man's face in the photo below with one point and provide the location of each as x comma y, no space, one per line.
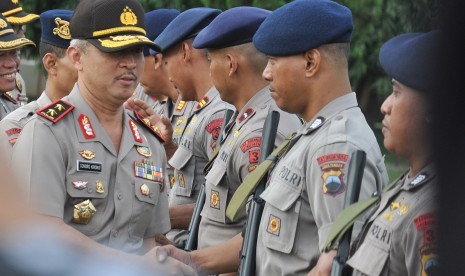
178,76
111,77
9,63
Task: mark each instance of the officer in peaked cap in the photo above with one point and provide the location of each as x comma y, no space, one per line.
308,74
59,72
18,18
228,40
10,45
188,70
103,182
155,22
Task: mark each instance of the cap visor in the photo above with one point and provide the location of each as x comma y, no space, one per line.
12,41
22,18
121,42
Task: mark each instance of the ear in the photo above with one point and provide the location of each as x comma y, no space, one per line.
312,62
50,60
232,61
75,55
158,61
186,51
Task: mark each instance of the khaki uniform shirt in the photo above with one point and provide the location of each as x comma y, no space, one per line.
239,155
73,160
13,123
307,187
139,94
195,149
400,238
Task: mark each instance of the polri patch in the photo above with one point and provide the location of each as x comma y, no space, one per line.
254,142
333,176
86,166
55,111
214,128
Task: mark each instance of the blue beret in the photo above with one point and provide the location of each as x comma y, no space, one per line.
232,27
155,22
55,27
186,25
408,58
302,25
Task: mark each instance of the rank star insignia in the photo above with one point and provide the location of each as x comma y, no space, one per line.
80,185
396,208
99,187
87,154
144,190
144,151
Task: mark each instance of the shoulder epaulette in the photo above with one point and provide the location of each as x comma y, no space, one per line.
181,105
153,129
9,97
55,111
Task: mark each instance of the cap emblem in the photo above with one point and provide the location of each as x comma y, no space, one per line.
14,1
128,17
62,29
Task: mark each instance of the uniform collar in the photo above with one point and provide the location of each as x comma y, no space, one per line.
258,101
207,99
424,176
180,106
43,100
89,129
330,110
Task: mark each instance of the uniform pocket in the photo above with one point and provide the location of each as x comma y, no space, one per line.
184,163
280,215
146,199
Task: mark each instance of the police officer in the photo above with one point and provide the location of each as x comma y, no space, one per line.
308,74
96,170
10,45
188,70
18,18
236,68
400,237
59,72
155,21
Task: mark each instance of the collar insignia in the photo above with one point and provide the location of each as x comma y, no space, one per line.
55,111
86,127
203,102
247,114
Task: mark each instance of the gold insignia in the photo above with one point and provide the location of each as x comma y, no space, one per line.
87,154
83,212
14,1
172,180
236,133
396,208
182,182
144,151
144,189
128,17
274,225
62,29
215,200
99,187
2,24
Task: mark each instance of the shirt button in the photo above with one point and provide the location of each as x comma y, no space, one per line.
90,190
120,196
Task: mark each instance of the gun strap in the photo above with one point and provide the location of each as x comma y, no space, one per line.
349,215
252,180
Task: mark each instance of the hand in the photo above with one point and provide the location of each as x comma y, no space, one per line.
324,264
162,261
146,111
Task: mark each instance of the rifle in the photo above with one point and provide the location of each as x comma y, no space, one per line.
247,254
193,230
354,182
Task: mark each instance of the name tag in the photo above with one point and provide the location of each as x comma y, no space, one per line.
87,166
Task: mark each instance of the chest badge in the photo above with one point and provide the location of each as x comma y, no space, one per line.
80,185
215,200
99,187
83,212
144,151
147,170
144,190
87,154
396,208
274,225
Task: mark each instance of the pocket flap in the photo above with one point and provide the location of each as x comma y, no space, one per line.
280,196
216,173
84,186
377,255
147,191
180,158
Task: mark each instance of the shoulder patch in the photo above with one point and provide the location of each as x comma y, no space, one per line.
13,131
254,142
153,129
55,111
332,166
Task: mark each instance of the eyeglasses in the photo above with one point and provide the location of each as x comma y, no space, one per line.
19,28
